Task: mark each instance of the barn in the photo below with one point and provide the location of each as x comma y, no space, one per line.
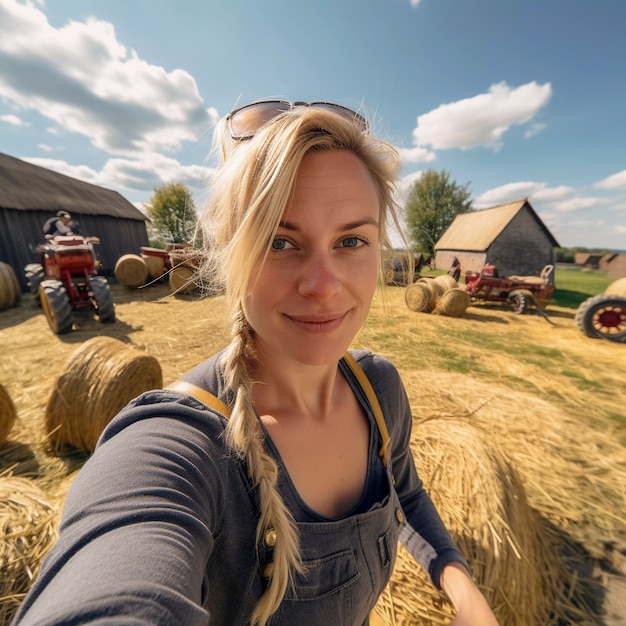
510,236
30,194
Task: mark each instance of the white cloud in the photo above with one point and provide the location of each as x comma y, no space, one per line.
615,181
417,155
535,129
552,194
45,147
579,204
141,174
14,120
414,3
89,83
483,119
506,193
534,191
621,230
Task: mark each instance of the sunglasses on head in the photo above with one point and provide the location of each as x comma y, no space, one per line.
244,122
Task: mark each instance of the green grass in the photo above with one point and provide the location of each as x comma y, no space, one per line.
575,286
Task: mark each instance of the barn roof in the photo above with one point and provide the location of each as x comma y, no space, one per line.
28,187
477,230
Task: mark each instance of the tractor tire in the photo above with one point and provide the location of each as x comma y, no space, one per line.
603,317
103,299
56,306
34,274
519,300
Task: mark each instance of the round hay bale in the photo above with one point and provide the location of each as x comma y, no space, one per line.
155,265
131,270
435,289
8,415
617,288
100,378
418,296
446,282
483,503
453,303
28,528
182,279
10,291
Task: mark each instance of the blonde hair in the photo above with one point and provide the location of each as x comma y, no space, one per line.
249,194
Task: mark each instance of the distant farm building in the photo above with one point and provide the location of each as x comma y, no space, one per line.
613,264
510,236
30,194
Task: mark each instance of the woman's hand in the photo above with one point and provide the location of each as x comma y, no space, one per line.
470,604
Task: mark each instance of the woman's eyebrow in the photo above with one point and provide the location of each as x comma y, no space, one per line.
349,226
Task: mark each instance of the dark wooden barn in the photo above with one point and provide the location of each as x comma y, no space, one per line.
510,236
30,194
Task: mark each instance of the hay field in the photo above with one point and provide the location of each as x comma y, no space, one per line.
541,506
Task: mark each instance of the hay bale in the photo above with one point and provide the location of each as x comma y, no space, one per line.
100,378
483,503
131,270
617,288
183,279
155,265
418,297
446,282
453,303
435,290
8,415
28,528
10,291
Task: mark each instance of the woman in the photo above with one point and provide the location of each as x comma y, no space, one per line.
284,502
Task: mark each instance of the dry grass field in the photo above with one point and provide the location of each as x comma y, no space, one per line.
519,432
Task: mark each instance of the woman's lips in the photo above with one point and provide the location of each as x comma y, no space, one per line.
318,323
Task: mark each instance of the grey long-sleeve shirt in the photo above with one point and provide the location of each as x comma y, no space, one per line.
159,526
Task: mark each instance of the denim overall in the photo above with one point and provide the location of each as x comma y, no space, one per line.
348,563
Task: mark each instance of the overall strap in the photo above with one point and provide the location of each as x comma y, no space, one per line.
361,376
215,403
206,397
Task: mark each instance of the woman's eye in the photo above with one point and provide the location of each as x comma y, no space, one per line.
280,244
352,242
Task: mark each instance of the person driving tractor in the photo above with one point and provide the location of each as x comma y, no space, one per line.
60,225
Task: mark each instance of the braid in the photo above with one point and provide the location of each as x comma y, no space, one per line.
245,437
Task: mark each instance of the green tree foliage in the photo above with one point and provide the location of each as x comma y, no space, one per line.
173,212
433,202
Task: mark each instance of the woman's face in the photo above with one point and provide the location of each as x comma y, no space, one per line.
313,293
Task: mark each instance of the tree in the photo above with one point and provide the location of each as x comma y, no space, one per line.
433,202
173,212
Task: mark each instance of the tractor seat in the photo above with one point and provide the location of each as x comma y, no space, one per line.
529,280
68,240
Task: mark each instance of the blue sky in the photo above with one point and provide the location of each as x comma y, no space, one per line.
517,98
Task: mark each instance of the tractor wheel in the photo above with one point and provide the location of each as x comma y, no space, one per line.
603,316
56,306
103,298
519,301
34,274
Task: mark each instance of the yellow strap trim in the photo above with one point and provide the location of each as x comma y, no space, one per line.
361,376
201,394
215,403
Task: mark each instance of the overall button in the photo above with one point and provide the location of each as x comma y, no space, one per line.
399,515
270,538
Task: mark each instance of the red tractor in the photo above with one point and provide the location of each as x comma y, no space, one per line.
517,291
66,280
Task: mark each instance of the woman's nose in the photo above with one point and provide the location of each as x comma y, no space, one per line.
320,278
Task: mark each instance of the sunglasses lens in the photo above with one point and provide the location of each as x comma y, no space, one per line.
245,122
353,116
